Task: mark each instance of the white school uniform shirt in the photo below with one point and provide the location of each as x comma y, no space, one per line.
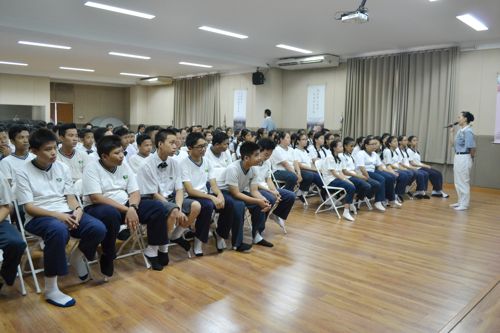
404,156
46,189
180,155
197,175
158,176
279,155
392,157
414,156
323,153
219,164
137,161
116,185
5,194
131,151
76,162
11,163
262,173
355,150
235,176
302,157
348,160
370,162
331,164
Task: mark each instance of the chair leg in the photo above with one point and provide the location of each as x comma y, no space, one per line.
33,273
21,280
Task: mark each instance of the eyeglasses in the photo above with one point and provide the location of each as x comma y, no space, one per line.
201,146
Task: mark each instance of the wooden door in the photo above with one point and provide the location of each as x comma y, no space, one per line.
64,112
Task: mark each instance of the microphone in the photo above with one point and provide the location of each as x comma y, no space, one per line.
451,125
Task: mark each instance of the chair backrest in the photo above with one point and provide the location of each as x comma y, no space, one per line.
319,167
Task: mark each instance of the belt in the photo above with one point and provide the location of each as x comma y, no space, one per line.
463,153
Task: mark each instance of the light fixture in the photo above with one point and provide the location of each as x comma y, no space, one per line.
222,32
293,48
54,46
12,63
472,22
77,69
193,64
119,10
311,60
134,74
152,79
119,54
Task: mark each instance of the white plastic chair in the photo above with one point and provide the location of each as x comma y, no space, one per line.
334,194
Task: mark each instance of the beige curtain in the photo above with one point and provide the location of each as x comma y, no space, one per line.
197,101
408,93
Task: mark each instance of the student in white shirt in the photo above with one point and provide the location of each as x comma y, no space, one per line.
394,164
4,143
435,177
333,176
317,150
196,173
284,165
160,179
111,194
11,242
19,136
219,156
245,136
45,188
357,147
124,135
76,160
284,198
87,142
132,146
368,163
421,177
179,153
145,145
303,158
242,184
151,131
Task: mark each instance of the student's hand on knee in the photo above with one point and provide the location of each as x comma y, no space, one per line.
67,219
131,218
182,220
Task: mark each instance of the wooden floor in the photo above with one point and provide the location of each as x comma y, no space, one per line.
408,270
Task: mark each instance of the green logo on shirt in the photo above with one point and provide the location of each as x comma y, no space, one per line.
125,177
59,179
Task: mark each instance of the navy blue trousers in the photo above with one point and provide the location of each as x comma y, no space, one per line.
13,246
435,177
284,206
387,181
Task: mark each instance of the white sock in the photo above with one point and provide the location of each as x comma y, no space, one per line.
163,248
53,293
257,238
299,193
178,232
151,251
436,192
78,261
197,246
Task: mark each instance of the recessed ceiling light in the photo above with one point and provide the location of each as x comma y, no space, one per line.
129,55
134,74
195,65
293,48
119,10
152,79
77,69
222,32
472,22
13,63
54,46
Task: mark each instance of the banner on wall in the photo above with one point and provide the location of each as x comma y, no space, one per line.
240,109
315,107
497,121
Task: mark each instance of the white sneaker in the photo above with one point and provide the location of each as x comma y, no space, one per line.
378,206
353,209
279,221
445,195
197,248
454,205
346,215
458,208
395,204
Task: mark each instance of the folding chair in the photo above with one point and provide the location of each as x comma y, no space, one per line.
282,183
335,194
19,274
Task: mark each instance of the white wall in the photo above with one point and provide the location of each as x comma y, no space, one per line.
151,105
476,89
26,90
96,101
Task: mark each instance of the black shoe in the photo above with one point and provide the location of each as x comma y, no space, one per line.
244,247
419,196
163,258
265,243
216,237
123,235
107,266
426,196
400,197
189,235
182,242
155,263
301,198
438,195
410,194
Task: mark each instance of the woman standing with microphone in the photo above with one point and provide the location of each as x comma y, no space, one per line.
464,143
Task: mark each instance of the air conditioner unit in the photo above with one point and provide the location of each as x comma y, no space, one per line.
317,61
156,81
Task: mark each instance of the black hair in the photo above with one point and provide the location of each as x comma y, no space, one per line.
297,139
267,112
192,138
359,141
121,131
280,135
99,133
400,138
385,135
151,128
271,133
141,138
410,139
141,126
108,143
3,129
334,144
64,127
15,130
162,134
389,139
83,132
469,116
328,135
266,144
244,133
260,133
348,140
403,151
219,137
109,125
248,148
40,137
316,137
366,141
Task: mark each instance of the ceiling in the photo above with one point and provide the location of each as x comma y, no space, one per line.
173,36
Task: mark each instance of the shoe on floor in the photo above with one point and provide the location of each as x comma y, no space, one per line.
155,263
163,258
459,208
124,233
182,243
346,215
220,243
379,206
107,266
244,247
265,243
198,249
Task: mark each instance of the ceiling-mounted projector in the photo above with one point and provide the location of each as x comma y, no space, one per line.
359,15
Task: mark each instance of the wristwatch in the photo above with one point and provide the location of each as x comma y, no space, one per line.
134,206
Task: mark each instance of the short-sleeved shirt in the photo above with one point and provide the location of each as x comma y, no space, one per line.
115,185
76,162
157,176
280,155
236,176
302,157
403,155
331,164
219,164
414,156
5,192
197,174
46,189
392,157
262,173
11,163
348,160
180,154
322,152
464,140
268,124
370,162
136,162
